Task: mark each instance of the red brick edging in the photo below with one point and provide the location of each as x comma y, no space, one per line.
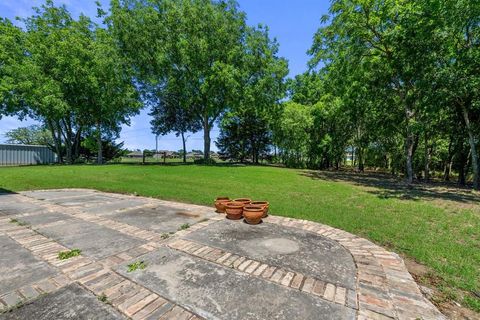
385,288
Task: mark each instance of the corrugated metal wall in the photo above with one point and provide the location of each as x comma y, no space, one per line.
19,154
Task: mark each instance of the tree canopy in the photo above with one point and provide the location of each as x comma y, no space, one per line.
67,74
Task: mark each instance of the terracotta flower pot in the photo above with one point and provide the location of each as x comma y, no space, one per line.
234,210
243,200
263,204
253,214
220,204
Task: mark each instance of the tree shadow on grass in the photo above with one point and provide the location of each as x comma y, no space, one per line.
385,186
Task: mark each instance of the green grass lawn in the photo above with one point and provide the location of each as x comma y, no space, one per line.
437,228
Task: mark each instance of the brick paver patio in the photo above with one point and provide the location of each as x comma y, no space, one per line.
214,269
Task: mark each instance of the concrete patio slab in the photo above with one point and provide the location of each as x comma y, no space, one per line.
161,218
11,206
212,268
95,241
114,207
19,267
85,200
57,194
284,247
44,217
216,292
71,302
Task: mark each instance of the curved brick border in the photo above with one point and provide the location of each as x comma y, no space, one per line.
288,278
385,288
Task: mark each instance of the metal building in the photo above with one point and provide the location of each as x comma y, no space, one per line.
21,154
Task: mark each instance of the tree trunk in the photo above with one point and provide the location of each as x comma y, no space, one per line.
354,157
76,145
473,150
99,144
448,162
409,155
68,137
184,148
427,159
57,138
462,164
361,167
206,138
447,170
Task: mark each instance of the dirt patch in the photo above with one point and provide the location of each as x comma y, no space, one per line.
457,312
428,282
187,214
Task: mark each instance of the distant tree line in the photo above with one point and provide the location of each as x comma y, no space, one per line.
393,83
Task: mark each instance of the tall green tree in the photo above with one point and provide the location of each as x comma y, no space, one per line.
170,113
111,95
293,133
11,55
459,67
390,46
197,44
69,75
246,127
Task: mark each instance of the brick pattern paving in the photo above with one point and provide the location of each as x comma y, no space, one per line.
385,288
287,278
131,299
127,229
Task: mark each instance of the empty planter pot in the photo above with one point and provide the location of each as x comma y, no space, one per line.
245,201
234,210
253,214
263,204
220,204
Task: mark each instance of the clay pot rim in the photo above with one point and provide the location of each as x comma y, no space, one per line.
253,208
242,200
259,203
234,204
222,198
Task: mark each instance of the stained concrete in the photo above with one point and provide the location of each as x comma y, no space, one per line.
11,206
44,217
284,247
87,200
92,201
19,267
94,240
217,292
160,218
57,194
69,303
114,207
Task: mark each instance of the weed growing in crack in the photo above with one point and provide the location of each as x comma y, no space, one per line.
69,254
103,298
184,226
136,265
18,222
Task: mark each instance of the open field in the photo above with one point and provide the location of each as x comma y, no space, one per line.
437,227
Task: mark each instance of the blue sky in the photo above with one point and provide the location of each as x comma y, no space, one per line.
292,22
